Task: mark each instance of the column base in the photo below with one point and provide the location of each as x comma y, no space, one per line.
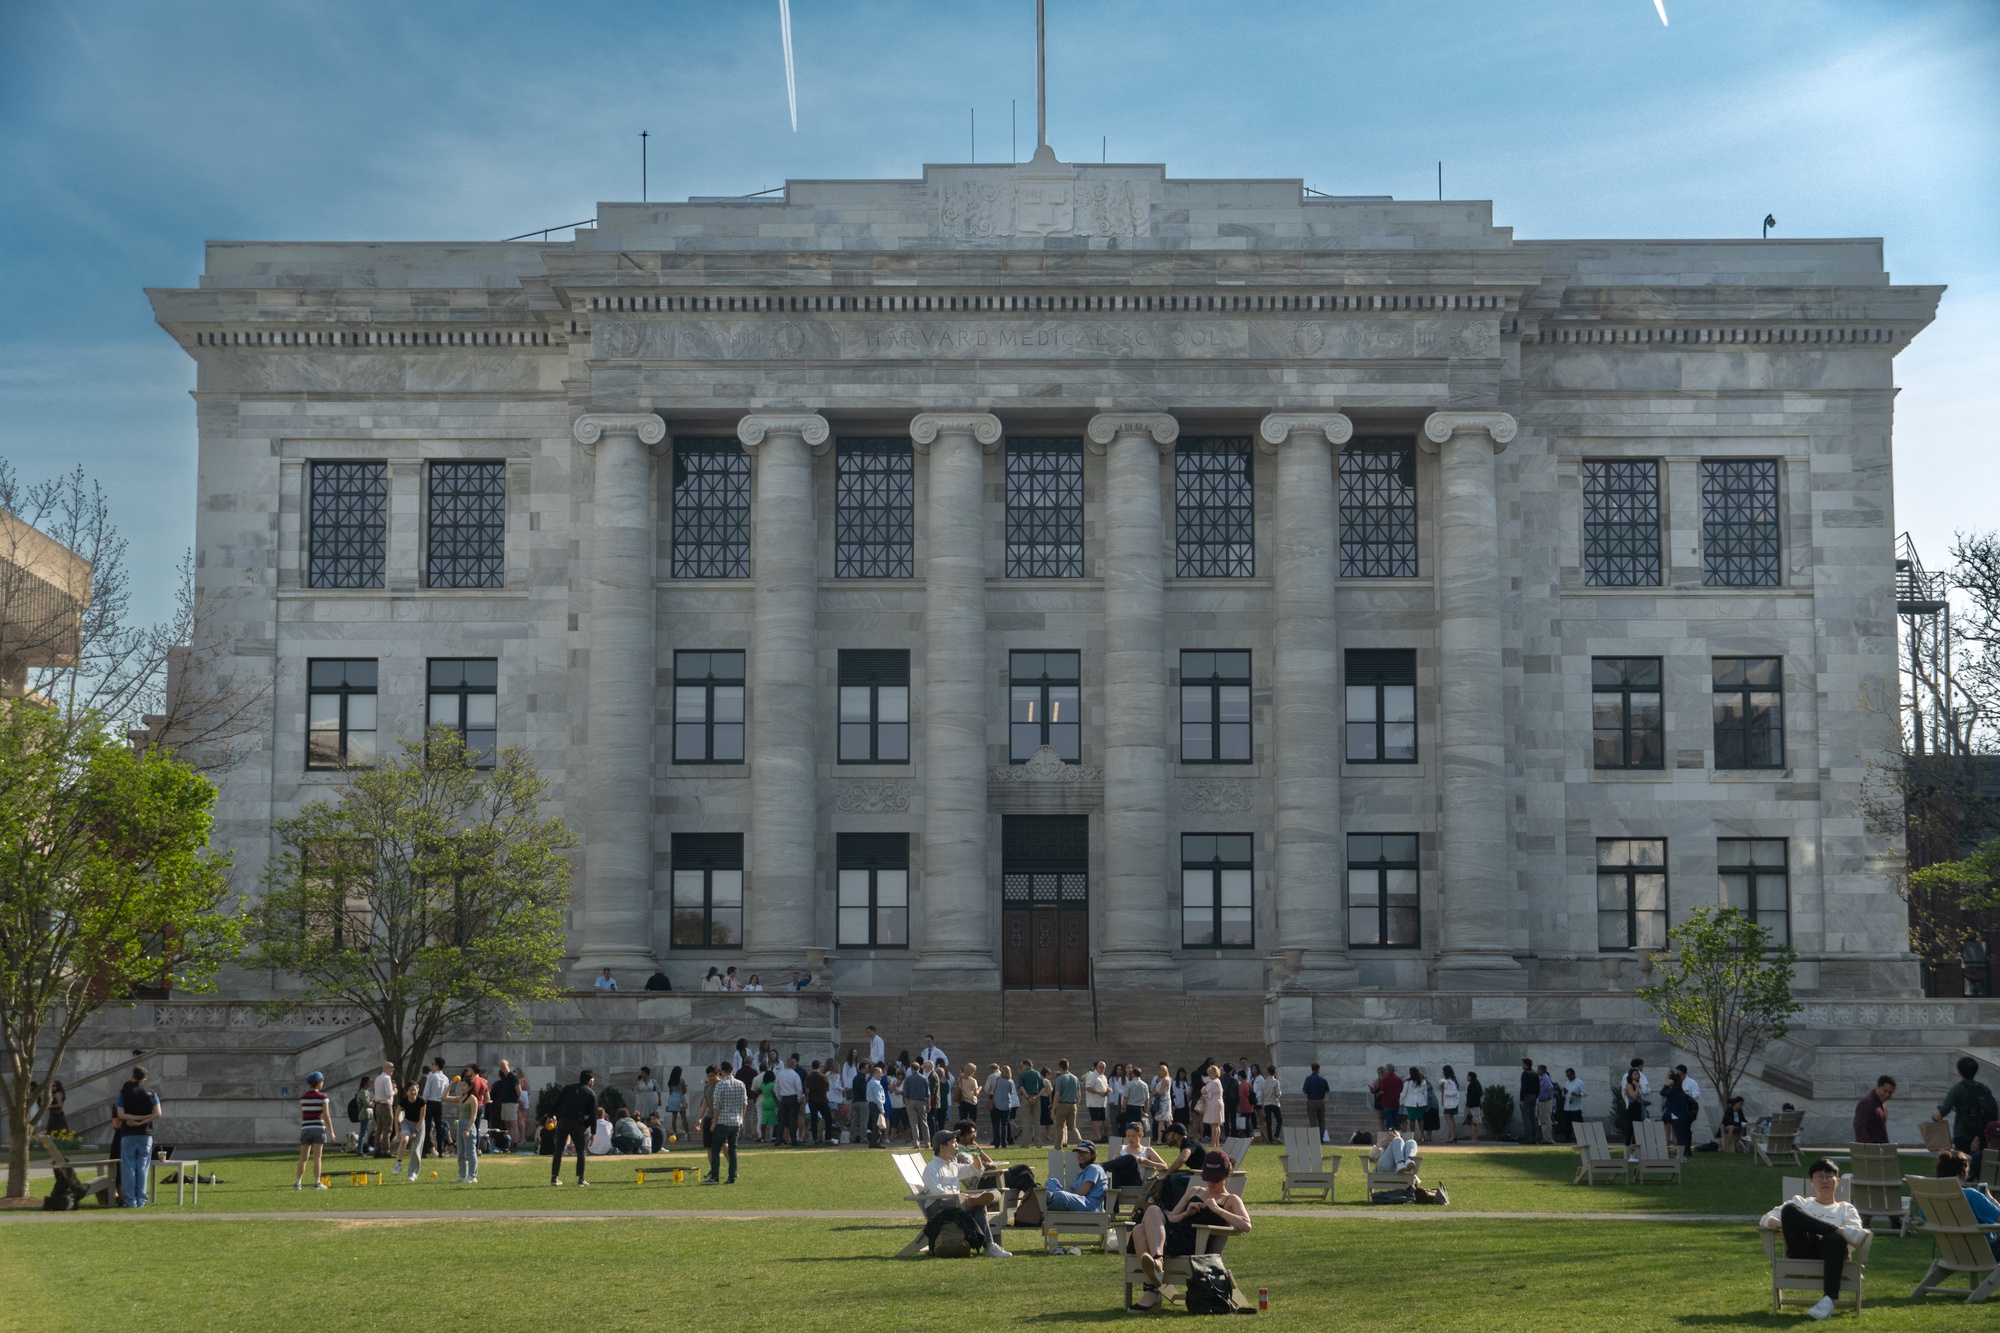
955,972
1471,970
1136,971
630,964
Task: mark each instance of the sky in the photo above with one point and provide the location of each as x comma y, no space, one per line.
130,133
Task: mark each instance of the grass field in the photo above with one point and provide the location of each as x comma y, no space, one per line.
1404,1268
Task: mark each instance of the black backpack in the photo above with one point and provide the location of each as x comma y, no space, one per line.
1210,1289
1984,1110
353,1110
1124,1171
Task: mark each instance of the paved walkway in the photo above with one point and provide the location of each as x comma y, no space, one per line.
1410,1212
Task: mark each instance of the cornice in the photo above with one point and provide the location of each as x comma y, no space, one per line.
983,427
1278,427
811,427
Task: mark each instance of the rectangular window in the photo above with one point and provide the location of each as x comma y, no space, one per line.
1044,705
340,713
1739,523
1381,706
1215,891
1749,712
874,510
1977,968
711,508
1214,515
1627,720
466,535
875,706
1215,708
708,891
1382,890
1044,509
1753,878
1631,894
1378,508
464,696
708,708
874,874
348,525
1621,522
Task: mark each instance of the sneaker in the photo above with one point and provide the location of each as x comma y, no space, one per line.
298,1184
583,1183
557,1181
1823,1309
995,1252
322,1186
708,1180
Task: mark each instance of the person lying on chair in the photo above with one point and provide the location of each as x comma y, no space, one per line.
1821,1227
1086,1192
1167,1229
955,1207
1396,1152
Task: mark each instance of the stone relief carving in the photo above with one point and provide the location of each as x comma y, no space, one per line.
1308,338
227,1015
1045,765
1042,206
872,796
1217,796
1877,1015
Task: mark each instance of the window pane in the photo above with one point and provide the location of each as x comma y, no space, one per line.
1378,508
892,742
1649,892
1776,925
1044,520
1402,927
1197,888
725,886
687,928
1361,703
1399,703
1364,847
1613,930
1024,703
1236,927
854,703
688,888
726,666
1361,741
1401,885
1399,741
1739,522
1734,891
728,703
481,710
1061,666
1198,847
1364,926
361,712
1198,929
1195,745
1024,666
874,519
448,673
892,888
1761,670
1068,741
725,927
1399,847
1023,740
1232,666
854,925
1768,852
1197,666
1621,522
1652,928
1614,851
1611,893
853,888
323,712
711,522
1064,705
853,742
728,742
1648,851
1234,703
1235,888
1364,887
1213,509
690,703
323,748
892,927
360,747
348,525
690,742
1195,701
892,703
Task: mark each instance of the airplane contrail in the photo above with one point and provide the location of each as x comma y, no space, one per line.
791,87
1659,6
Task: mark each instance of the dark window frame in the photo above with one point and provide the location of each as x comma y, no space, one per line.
1628,874
1752,871
874,509
1221,693
1631,739
1975,972
1739,730
711,508
465,528
320,684
708,682
1229,854
1215,508
706,855
1742,537
1043,705
347,524
1044,508
873,671
1621,522
1375,672
464,691
872,856
1391,931
1378,507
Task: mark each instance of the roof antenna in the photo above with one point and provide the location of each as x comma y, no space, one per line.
1041,77
973,111
1440,182
642,166
1769,222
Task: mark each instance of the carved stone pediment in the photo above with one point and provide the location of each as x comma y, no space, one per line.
1045,765
872,796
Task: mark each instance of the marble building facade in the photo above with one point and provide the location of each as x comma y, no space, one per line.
1436,611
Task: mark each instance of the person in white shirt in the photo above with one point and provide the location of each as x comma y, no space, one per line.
605,981
1096,1088
1573,1094
600,1135
946,1202
1416,1101
878,1051
1268,1092
1448,1099
382,1097
933,1052
1821,1227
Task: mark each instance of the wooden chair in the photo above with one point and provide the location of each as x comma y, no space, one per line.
1174,1269
1100,1227
1238,1149
1803,1281
65,1172
911,1166
1308,1169
1875,1184
1597,1157
1780,1140
1796,1187
1390,1180
1653,1154
1936,1135
1961,1241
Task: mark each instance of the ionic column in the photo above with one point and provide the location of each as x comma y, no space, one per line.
957,947
1475,863
784,722
1306,731
618,772
1140,892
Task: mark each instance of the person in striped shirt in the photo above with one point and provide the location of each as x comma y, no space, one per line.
315,1127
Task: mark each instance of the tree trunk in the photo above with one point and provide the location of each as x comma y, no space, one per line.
17,1139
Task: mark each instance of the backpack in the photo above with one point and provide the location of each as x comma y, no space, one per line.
354,1110
1210,1289
1124,1171
1984,1109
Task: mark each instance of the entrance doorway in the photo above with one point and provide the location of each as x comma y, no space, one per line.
1045,902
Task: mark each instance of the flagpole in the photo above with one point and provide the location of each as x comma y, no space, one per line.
1041,76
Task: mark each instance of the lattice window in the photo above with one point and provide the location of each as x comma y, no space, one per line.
1216,873
1739,523
1047,888
1213,510
711,509
1621,522
1378,509
874,506
1044,509
348,545
467,534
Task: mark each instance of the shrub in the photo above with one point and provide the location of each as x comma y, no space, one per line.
1496,1108
545,1102
612,1100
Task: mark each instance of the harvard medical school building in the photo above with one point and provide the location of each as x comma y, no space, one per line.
1059,576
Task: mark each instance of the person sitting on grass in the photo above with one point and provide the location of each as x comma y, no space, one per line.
943,1176
1955,1165
629,1137
1821,1227
1167,1229
1085,1192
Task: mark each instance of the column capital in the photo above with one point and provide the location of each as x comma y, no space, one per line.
925,427
808,426
594,426
1108,426
1281,426
1441,426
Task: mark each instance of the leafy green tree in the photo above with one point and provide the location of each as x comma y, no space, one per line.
1724,991
429,894
1974,880
107,886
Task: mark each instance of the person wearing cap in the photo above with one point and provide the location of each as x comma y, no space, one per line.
947,1201
315,1127
1085,1193
1167,1229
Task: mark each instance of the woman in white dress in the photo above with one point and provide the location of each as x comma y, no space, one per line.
1209,1108
1448,1104
1416,1101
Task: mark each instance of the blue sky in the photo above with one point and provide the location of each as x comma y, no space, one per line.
132,132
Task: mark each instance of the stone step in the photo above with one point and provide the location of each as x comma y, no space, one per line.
1006,1027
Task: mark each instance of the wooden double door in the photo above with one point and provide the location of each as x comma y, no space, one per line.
1045,903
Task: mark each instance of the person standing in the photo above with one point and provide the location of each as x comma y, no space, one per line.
364,1118
576,1117
878,1051
1162,1091
1676,1111
315,1128
1390,1086
1528,1091
1447,1092
875,1101
645,1094
917,1102
1268,1093
819,1112
1209,1108
467,1094
384,1101
659,981
1970,1104
1068,1090
1871,1113
1475,1114
1315,1089
410,1116
791,1087
1573,1094
137,1114
1096,1092
1632,1104
932,1052
1032,1086
1545,1105
608,984
1416,1101
437,1135
1004,1096
727,1101
1692,1088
